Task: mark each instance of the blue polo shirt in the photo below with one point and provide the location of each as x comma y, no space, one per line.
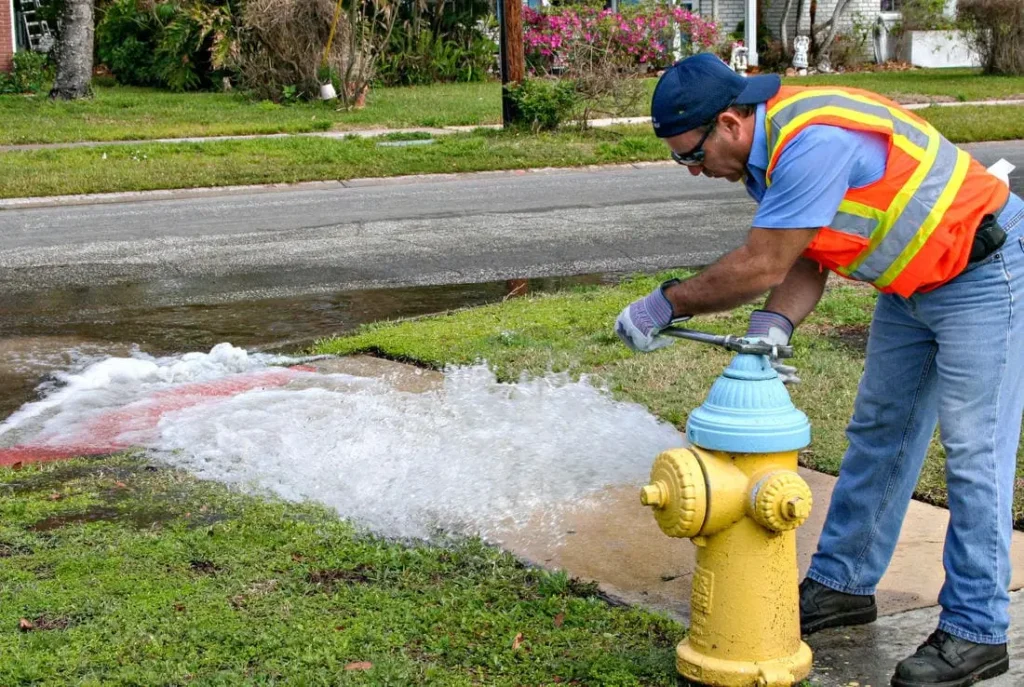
813,173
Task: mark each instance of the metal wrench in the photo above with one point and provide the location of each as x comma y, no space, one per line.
736,344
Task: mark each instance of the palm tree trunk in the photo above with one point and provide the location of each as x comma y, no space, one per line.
74,52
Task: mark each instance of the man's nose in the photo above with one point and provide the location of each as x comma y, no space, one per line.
696,170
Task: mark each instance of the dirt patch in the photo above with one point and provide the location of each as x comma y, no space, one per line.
141,519
204,567
853,337
53,478
45,622
332,577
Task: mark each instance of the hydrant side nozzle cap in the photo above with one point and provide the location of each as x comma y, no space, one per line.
677,493
782,501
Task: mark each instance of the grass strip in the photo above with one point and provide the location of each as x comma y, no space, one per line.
149,166
131,113
118,572
161,166
126,113
572,331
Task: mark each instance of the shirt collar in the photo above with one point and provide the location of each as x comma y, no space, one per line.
759,148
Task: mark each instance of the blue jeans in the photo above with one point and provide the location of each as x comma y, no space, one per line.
953,356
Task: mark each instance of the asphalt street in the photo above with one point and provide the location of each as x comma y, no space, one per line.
279,241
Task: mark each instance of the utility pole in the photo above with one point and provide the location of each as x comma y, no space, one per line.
513,61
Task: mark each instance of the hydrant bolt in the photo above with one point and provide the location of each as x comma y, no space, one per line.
653,495
797,509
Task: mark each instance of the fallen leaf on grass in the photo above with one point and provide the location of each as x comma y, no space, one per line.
120,485
559,619
517,641
56,497
359,665
25,625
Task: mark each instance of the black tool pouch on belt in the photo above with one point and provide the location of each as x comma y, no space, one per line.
988,239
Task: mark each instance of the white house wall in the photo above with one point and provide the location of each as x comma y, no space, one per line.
731,12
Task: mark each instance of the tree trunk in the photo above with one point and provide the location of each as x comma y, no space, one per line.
810,27
783,29
74,51
826,44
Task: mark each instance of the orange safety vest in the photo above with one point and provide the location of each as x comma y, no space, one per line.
912,230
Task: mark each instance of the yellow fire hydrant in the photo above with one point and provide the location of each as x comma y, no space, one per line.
736,494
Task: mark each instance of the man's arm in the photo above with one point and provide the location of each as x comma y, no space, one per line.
797,296
761,264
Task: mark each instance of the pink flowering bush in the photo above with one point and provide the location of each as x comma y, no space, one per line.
641,37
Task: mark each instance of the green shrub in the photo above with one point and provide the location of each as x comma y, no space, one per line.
997,31
414,59
30,73
543,104
924,15
180,45
438,42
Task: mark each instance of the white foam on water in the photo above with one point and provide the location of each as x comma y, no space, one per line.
82,393
474,457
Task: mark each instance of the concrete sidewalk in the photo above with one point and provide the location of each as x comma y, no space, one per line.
379,132
614,540
617,543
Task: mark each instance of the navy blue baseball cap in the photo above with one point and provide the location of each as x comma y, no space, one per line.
692,91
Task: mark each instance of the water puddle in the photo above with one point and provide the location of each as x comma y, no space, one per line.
462,454
140,520
67,330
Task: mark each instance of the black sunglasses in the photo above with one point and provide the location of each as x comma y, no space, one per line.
695,157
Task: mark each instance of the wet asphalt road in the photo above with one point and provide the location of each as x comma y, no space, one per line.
276,242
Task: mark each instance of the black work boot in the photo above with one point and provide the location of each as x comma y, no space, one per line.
822,607
948,661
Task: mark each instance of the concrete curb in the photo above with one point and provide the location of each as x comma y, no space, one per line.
330,185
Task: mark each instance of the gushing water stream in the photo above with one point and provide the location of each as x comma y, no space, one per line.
469,456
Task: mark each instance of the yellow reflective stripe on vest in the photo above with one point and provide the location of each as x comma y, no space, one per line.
956,179
898,122
898,233
857,219
887,244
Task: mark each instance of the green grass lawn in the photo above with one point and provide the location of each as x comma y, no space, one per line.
119,572
126,113
573,331
129,113
911,85
154,166
147,166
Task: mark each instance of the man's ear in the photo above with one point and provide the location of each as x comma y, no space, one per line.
730,123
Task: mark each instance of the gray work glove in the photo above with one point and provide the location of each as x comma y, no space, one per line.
774,328
640,323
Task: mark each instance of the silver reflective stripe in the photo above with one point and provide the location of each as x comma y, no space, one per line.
790,112
854,224
915,213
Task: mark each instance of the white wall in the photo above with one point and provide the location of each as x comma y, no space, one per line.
730,12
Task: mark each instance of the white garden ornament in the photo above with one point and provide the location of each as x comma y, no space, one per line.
738,60
801,45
